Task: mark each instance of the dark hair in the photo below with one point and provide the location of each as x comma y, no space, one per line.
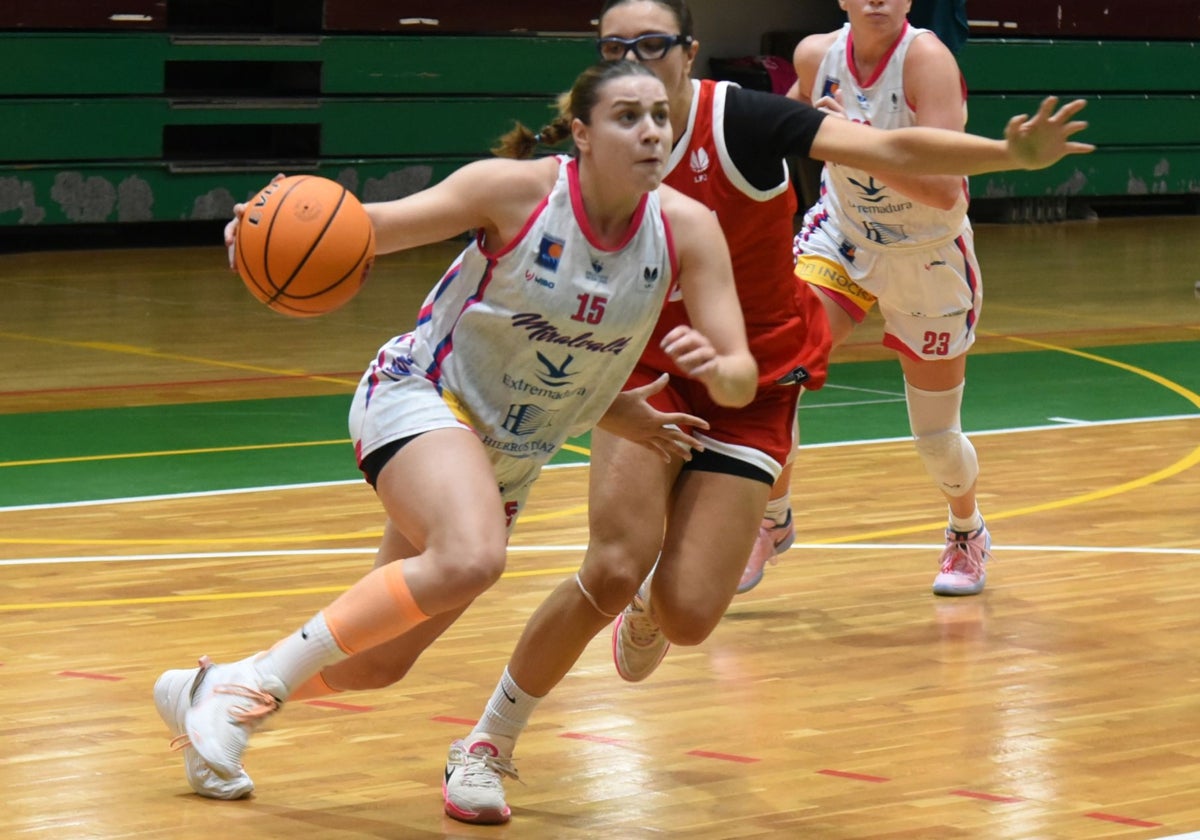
577,103
679,8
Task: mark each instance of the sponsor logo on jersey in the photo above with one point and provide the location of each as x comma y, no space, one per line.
699,162
556,375
540,329
550,251
596,272
649,277
524,419
399,366
534,277
870,191
831,86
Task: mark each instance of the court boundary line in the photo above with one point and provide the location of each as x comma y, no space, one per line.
546,549
195,494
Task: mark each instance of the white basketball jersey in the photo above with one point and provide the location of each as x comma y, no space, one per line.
530,344
865,210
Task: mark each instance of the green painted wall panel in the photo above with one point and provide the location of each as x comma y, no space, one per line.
1058,66
116,192
460,126
1106,172
1113,120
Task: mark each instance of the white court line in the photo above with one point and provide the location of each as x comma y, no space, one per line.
541,549
1195,835
271,488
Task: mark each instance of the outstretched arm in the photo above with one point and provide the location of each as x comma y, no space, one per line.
495,195
1029,143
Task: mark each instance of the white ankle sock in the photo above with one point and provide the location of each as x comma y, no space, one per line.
506,715
972,523
302,654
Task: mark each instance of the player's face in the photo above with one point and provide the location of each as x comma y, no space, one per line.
878,15
629,136
643,17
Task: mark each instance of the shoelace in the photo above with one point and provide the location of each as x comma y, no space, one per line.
476,767
265,704
962,555
643,630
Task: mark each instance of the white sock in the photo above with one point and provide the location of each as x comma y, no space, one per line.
506,715
302,654
777,509
972,523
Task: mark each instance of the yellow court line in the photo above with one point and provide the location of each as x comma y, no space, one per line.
267,540
132,350
122,456
1187,462
232,596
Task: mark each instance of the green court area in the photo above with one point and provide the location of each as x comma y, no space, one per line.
66,456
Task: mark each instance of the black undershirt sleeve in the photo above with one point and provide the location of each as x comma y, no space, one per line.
763,129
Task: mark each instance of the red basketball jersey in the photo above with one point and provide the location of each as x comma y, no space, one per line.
784,321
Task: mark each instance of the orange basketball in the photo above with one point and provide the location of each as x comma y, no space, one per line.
304,246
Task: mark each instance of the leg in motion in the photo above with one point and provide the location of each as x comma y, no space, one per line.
934,407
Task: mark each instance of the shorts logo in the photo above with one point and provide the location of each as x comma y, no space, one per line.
550,251
884,234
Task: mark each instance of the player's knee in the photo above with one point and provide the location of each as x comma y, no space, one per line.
472,568
612,579
950,460
686,623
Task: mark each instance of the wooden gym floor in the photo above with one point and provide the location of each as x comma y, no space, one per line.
839,699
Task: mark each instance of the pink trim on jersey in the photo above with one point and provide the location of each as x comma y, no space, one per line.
512,243
879,68
426,312
446,346
581,215
899,346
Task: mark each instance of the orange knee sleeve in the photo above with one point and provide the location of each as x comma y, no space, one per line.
378,608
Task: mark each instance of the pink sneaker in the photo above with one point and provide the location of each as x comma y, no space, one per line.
963,563
772,541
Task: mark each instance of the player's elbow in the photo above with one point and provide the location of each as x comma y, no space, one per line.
739,384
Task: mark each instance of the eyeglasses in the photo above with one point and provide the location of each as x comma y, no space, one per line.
650,47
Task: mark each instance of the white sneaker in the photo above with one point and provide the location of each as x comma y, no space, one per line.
232,702
173,694
638,642
472,788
